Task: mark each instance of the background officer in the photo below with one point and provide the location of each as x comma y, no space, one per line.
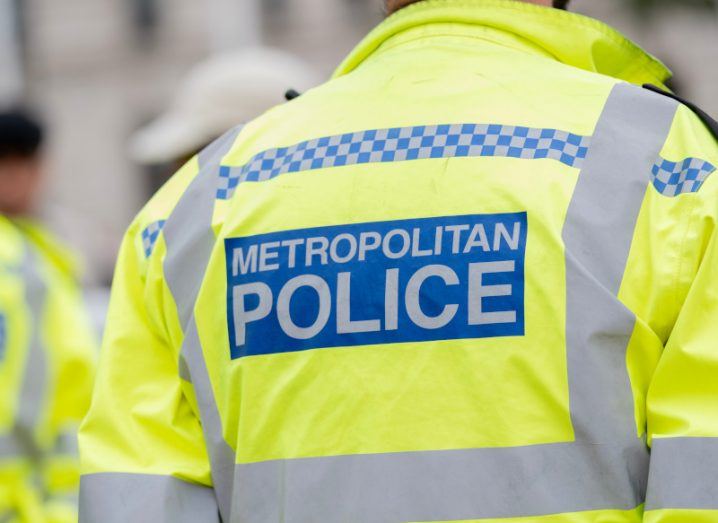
47,347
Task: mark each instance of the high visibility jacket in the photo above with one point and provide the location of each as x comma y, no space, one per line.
47,355
471,278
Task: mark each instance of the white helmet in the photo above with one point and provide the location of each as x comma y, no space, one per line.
218,94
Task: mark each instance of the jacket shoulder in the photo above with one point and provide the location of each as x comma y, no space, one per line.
707,120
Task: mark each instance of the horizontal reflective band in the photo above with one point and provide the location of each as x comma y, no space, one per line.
64,498
408,143
121,498
683,474
676,178
439,485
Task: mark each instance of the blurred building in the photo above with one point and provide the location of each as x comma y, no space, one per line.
100,68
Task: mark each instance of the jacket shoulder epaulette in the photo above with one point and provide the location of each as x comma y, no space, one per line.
704,116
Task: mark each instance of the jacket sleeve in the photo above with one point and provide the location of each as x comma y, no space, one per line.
682,401
142,451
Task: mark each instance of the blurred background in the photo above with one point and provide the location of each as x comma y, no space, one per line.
97,70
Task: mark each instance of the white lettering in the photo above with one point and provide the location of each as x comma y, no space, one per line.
242,316
265,256
456,231
334,249
292,255
512,240
478,291
284,315
413,293
438,244
391,300
400,233
345,325
416,251
477,238
365,245
317,247
241,263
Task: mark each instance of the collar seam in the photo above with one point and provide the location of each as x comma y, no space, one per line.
390,46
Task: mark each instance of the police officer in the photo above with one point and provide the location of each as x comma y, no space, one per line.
471,278
47,347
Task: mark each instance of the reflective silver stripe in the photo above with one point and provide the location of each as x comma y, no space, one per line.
221,455
66,443
33,391
66,498
9,447
597,234
188,231
605,468
684,474
140,498
437,485
190,239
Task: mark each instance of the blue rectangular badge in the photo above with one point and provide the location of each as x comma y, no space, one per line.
453,277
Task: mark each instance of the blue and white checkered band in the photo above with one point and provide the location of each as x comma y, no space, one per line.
676,178
445,141
150,235
3,336
408,143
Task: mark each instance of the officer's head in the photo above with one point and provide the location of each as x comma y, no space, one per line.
21,138
395,5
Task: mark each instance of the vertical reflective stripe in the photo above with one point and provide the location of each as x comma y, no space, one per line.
598,233
684,474
66,443
188,231
9,447
221,455
601,218
190,239
144,498
32,394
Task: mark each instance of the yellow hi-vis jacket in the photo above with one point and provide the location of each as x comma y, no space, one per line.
47,355
471,278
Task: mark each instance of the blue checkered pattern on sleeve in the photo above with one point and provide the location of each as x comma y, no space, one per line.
150,235
676,178
408,143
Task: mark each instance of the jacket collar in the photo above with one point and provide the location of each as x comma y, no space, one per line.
570,38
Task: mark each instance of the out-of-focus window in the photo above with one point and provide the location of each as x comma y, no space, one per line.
11,68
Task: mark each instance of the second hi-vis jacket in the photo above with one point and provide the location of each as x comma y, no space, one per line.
471,278
47,360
